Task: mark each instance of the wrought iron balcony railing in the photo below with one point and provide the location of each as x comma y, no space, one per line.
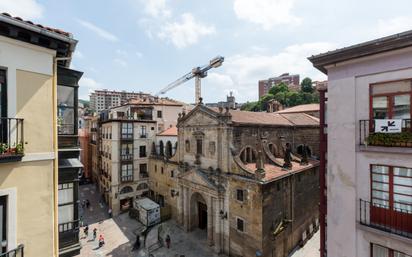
143,135
368,136
125,136
128,178
126,157
17,252
392,220
11,139
68,226
143,175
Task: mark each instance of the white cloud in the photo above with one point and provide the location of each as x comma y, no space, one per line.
139,54
240,73
120,62
26,9
267,13
185,33
394,25
87,86
99,31
156,8
121,52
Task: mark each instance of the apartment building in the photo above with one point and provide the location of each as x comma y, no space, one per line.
34,206
239,177
368,181
126,136
293,81
106,99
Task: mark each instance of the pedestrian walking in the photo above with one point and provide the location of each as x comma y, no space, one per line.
101,240
136,245
168,241
94,233
86,230
110,212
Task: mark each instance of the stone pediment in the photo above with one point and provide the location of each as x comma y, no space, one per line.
199,178
200,116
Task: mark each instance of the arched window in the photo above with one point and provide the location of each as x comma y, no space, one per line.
142,186
126,190
154,152
300,150
161,148
169,149
248,155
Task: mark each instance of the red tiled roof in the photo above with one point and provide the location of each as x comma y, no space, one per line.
172,131
273,172
154,101
301,108
58,31
276,119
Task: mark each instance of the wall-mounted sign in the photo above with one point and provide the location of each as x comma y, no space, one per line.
388,126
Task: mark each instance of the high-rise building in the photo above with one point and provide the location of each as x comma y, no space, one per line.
292,81
37,210
366,149
106,99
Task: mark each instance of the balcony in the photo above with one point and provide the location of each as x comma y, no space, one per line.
395,221
11,139
68,226
126,136
93,129
126,157
143,135
17,252
143,175
368,136
128,178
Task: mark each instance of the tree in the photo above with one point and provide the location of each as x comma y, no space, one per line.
306,85
281,87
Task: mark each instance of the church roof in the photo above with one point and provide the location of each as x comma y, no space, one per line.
172,131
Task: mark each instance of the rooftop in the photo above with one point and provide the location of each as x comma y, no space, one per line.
30,23
274,172
301,108
380,45
154,101
172,131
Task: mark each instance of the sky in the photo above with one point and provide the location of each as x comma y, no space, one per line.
143,45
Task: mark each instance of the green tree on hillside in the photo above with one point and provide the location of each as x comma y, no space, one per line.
306,85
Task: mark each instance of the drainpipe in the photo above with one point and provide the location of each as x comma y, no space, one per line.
322,173
56,162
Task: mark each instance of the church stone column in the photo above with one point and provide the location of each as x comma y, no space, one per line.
186,213
210,221
180,205
217,226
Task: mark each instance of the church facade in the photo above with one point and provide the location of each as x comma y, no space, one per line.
242,177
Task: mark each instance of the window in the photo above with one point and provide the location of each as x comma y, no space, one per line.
240,195
66,206
3,94
391,196
161,148
66,109
3,216
143,170
391,100
161,170
199,146
380,251
240,224
142,151
143,131
159,114
127,130
172,173
127,172
169,149
127,152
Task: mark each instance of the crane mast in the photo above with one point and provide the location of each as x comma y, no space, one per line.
198,73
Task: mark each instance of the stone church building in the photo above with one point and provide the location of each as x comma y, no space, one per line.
241,177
